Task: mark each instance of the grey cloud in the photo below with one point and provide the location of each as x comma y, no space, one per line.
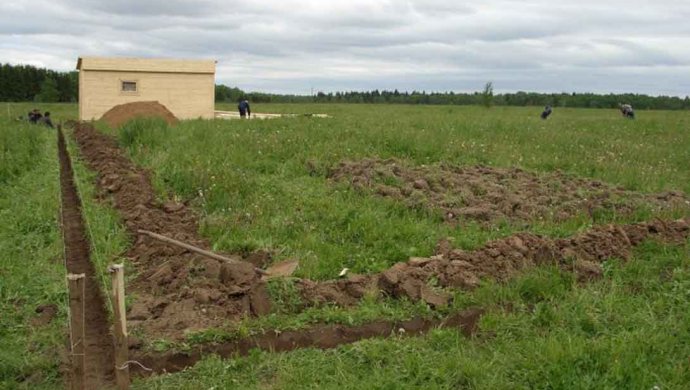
361,44
128,8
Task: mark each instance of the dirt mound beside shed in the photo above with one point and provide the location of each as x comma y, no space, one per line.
121,114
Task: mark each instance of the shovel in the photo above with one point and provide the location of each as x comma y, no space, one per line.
277,270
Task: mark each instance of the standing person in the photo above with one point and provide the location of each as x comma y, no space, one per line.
547,111
244,108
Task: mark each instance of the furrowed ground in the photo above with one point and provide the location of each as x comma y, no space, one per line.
271,185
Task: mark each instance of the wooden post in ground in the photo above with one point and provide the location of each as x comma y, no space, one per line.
117,277
77,337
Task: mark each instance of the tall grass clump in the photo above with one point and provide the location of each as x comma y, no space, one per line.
143,131
20,145
32,273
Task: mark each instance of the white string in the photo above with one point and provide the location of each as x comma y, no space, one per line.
108,300
64,247
126,365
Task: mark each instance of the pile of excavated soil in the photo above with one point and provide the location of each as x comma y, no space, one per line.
499,260
123,113
488,194
177,291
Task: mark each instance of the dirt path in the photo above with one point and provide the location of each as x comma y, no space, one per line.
98,349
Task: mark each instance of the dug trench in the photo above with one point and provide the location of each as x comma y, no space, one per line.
98,347
176,291
320,336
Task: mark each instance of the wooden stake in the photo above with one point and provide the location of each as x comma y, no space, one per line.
77,336
194,249
117,277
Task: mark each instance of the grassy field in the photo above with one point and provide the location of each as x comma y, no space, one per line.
262,184
32,272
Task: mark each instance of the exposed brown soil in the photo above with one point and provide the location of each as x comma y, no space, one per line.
322,337
98,348
45,315
488,194
499,260
176,291
123,113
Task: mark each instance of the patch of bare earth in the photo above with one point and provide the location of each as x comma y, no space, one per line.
487,194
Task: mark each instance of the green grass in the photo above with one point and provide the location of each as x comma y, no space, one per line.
626,331
32,271
262,184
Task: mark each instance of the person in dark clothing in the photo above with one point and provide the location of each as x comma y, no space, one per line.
547,111
46,120
35,116
245,111
627,111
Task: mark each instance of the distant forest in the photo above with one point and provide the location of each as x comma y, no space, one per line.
581,100
22,83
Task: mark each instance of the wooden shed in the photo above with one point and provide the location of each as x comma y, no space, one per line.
185,87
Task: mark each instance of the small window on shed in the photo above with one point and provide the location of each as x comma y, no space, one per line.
129,86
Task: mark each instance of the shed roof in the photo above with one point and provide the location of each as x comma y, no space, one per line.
155,65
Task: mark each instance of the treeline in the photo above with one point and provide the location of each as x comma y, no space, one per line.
22,83
581,100
28,83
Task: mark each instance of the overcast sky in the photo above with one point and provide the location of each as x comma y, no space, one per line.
434,45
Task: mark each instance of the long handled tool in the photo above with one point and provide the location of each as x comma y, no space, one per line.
284,268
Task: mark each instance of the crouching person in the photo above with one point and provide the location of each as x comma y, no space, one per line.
627,111
45,120
547,111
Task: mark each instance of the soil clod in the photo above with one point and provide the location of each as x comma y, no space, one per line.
489,195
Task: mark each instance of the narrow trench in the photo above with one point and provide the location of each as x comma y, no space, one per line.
318,336
98,347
